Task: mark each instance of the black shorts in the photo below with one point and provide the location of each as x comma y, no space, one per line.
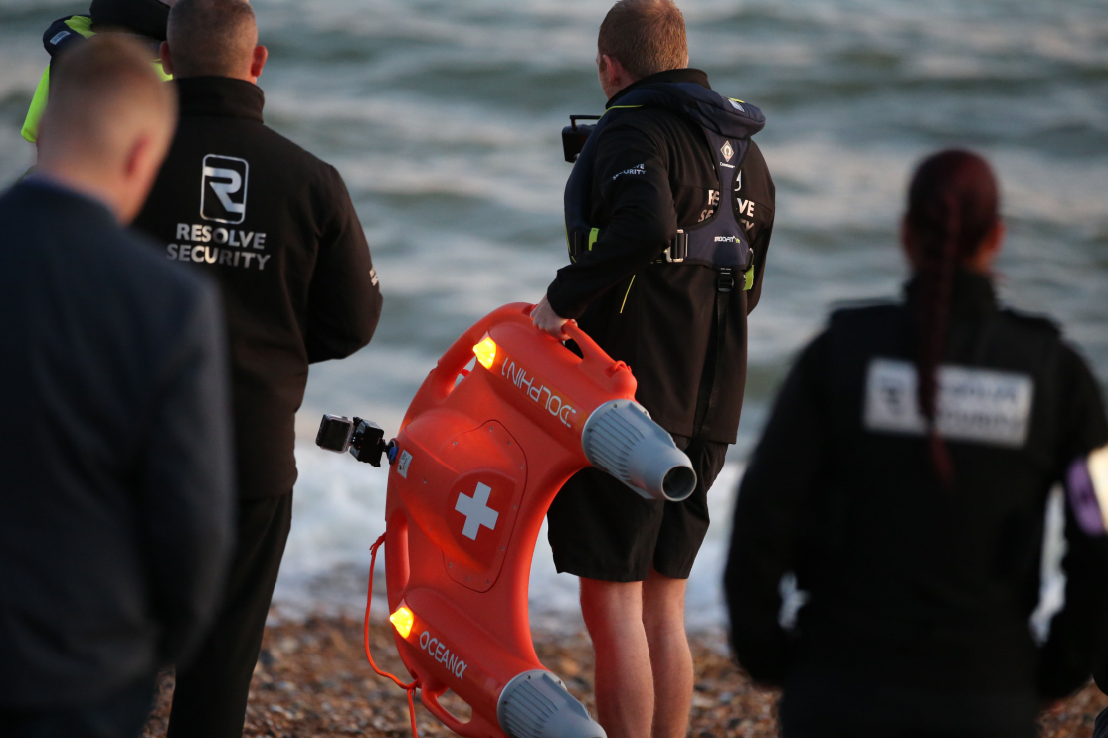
602,529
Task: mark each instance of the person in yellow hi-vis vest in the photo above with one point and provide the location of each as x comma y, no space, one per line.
143,18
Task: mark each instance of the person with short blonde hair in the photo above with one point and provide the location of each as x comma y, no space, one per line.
669,212
106,110
116,477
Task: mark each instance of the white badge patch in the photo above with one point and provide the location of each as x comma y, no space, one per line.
975,405
403,464
727,151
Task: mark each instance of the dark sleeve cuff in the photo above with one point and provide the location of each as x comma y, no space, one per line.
563,303
1056,681
763,651
1100,676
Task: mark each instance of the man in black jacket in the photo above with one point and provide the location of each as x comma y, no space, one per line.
275,227
669,211
115,441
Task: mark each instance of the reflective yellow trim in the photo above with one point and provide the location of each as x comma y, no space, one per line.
625,295
593,235
81,24
38,106
749,279
736,99
620,107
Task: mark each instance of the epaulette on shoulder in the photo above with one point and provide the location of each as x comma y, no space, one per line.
852,316
64,33
847,309
1033,320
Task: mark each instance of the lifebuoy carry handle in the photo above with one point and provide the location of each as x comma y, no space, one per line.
589,348
461,352
429,696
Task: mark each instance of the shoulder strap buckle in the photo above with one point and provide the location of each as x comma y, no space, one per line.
678,248
725,282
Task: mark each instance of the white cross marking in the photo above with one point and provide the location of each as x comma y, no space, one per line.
477,511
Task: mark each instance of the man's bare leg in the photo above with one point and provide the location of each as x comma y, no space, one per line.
613,614
663,608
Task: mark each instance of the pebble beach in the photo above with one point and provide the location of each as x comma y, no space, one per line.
313,681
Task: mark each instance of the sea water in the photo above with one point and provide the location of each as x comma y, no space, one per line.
444,118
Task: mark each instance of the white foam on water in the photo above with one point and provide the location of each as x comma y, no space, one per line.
443,117
705,606
339,511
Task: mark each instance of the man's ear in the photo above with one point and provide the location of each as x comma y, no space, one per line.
140,166
167,59
138,156
609,67
257,64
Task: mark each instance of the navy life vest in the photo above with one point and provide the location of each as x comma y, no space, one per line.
720,241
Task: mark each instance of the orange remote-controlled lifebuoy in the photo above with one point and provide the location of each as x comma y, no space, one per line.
478,460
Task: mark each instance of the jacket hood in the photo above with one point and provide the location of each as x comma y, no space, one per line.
726,116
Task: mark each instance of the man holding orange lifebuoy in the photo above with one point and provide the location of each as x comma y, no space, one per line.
668,213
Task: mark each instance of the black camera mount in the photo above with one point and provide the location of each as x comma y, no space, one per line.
364,439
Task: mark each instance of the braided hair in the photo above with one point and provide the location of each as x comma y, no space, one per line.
953,205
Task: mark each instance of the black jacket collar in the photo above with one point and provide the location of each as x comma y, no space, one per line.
221,96
673,75
971,294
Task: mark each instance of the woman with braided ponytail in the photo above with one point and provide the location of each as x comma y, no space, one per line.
903,479
953,220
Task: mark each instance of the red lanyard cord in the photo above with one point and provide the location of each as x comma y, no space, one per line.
414,684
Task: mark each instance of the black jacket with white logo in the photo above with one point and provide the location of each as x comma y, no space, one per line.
910,583
684,339
276,228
